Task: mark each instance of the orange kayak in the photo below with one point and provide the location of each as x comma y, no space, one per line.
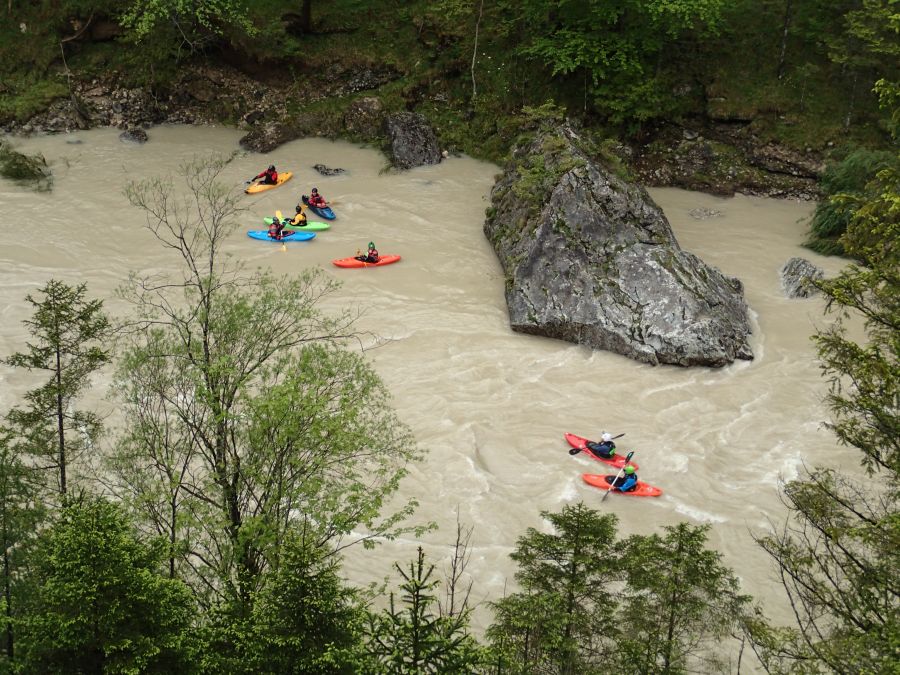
262,187
605,483
353,262
581,443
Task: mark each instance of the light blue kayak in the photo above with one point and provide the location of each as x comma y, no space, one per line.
311,226
263,235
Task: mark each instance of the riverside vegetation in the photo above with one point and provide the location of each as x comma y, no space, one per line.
206,535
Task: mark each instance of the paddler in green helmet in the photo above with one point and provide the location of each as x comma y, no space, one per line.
371,255
628,482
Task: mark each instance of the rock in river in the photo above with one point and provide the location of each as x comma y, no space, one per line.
412,140
589,258
797,276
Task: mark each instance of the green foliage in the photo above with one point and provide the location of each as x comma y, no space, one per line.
615,48
304,619
847,178
245,414
680,603
69,333
866,377
543,165
590,604
99,604
414,638
28,168
21,514
838,554
562,619
186,24
30,97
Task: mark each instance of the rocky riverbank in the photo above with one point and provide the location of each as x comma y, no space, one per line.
716,157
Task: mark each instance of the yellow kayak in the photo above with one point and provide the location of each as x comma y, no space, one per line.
262,187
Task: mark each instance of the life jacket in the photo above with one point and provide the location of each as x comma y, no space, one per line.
605,450
272,175
373,253
274,230
317,200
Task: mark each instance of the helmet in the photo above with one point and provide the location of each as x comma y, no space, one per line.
606,437
629,469
315,190
271,167
371,245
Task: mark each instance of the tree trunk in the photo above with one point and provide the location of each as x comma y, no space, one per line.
306,16
7,595
173,506
670,633
788,8
60,429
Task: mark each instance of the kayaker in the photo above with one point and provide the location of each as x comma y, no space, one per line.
269,176
371,255
628,482
605,449
276,228
299,217
317,200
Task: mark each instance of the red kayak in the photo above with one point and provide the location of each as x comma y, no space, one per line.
580,443
353,262
605,483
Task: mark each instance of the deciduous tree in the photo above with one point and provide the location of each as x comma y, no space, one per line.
838,554
246,415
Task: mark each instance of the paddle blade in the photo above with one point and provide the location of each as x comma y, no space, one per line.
574,451
278,215
283,246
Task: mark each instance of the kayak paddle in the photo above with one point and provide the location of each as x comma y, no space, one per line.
612,486
575,451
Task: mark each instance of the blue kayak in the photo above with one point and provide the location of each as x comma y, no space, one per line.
324,212
263,235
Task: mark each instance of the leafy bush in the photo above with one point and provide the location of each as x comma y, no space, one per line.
850,176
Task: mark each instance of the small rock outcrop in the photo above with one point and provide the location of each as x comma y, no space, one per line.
797,276
21,167
412,140
133,136
325,171
591,259
266,137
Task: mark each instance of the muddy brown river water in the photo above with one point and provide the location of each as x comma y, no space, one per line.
488,406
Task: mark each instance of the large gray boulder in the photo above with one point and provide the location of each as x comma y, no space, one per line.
591,259
797,278
412,140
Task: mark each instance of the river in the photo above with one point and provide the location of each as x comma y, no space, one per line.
488,406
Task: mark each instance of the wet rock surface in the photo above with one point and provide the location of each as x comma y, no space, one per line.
133,136
325,171
797,277
591,259
412,140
